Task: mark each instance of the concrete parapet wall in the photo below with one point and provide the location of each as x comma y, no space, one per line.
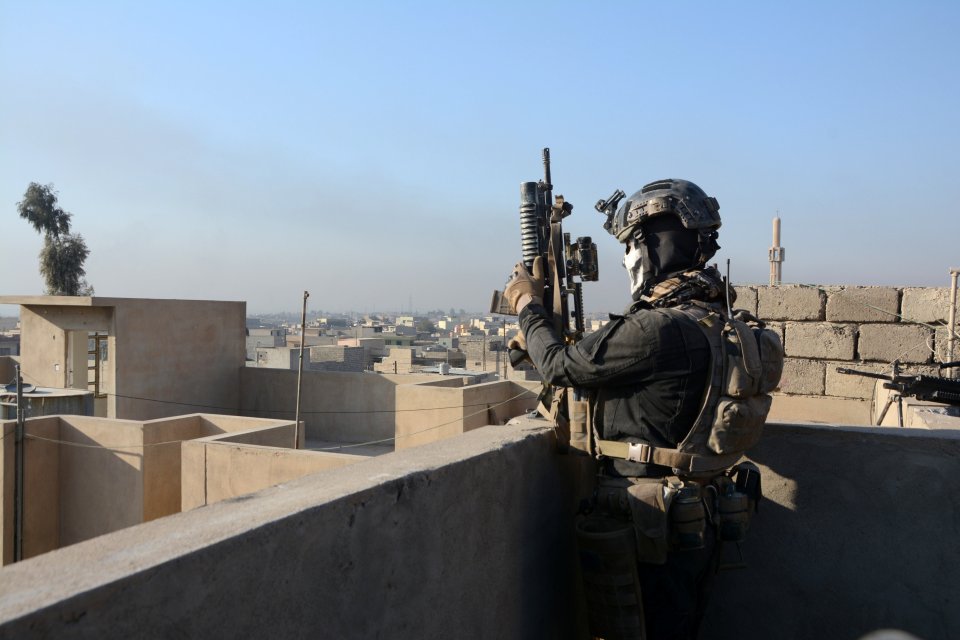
855,534
426,413
825,327
220,470
340,407
471,538
466,538
86,476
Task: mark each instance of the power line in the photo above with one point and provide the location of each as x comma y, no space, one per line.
439,426
123,448
284,411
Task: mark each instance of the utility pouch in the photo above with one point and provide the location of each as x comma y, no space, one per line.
688,518
648,511
608,567
739,423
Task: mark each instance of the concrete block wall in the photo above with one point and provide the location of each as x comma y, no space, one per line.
338,358
481,352
866,328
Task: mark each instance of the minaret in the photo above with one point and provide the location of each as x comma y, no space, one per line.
776,254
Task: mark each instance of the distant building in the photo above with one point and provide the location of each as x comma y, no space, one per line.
257,338
400,360
398,340
9,345
311,340
432,356
281,357
337,358
141,358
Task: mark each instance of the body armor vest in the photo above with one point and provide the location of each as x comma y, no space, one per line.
746,361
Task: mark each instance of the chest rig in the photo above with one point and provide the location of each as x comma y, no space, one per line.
746,361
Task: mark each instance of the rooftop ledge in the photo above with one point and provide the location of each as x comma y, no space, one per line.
86,301
472,537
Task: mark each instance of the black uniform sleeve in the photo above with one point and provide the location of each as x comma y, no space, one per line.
590,362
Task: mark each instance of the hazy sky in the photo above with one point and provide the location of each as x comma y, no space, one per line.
371,152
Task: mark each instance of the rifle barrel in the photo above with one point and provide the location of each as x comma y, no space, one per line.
866,374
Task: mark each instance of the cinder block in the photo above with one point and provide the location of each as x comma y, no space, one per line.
889,342
802,377
746,299
790,302
851,386
863,304
926,304
942,343
820,340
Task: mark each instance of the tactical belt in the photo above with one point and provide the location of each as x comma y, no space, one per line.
648,454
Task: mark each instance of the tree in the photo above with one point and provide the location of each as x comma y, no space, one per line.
425,326
63,253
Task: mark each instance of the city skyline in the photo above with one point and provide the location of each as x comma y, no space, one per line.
373,154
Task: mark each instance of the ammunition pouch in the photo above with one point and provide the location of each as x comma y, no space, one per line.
688,518
641,520
737,494
667,514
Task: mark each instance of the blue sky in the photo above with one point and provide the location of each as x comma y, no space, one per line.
371,152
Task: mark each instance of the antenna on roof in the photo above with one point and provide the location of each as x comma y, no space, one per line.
303,340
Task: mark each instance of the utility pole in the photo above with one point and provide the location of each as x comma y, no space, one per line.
18,473
303,340
952,323
483,352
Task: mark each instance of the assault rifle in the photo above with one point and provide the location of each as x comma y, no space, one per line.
564,262
922,387
567,265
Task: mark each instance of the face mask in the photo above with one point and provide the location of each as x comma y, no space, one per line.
633,263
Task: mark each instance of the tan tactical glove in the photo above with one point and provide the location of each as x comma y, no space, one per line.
523,287
518,341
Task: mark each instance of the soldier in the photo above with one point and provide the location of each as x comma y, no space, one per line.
654,393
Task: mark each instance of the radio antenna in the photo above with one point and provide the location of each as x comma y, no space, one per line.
726,282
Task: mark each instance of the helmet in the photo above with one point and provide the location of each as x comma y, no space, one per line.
696,210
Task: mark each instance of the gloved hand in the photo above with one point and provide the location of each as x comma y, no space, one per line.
523,284
518,341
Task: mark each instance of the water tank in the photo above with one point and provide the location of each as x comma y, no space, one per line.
444,369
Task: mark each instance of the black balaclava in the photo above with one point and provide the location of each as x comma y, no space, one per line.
669,249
